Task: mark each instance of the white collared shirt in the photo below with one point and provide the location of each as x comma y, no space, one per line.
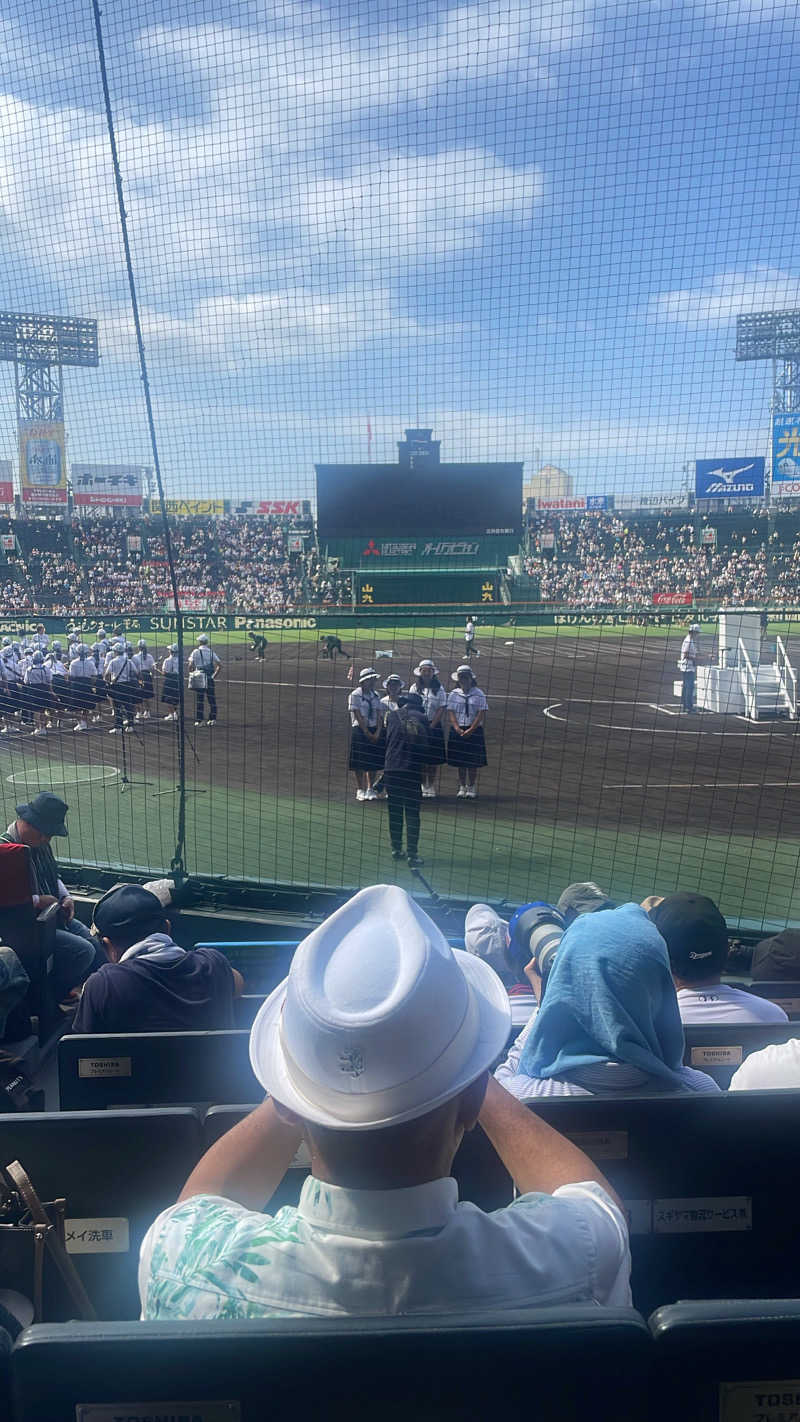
466,708
368,703
382,1253
432,701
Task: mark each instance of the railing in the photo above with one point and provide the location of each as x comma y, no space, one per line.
747,677
787,676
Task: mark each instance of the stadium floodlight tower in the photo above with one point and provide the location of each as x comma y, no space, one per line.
775,336
40,346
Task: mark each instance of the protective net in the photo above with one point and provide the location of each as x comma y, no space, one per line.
368,323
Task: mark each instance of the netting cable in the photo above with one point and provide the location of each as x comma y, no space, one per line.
177,865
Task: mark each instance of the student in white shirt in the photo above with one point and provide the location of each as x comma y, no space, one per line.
82,672
687,665
120,677
171,691
204,668
145,664
366,752
470,650
36,691
696,936
466,745
608,1021
375,1052
434,703
59,686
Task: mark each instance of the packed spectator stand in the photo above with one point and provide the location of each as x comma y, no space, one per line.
118,564
706,1176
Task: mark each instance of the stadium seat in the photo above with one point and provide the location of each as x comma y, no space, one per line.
560,1364
117,1170
262,964
785,994
719,1049
729,1360
154,1069
219,1119
245,1009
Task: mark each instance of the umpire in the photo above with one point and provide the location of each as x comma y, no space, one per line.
406,755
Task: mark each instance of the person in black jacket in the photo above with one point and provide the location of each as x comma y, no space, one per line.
407,748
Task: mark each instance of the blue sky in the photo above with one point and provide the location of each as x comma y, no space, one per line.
529,226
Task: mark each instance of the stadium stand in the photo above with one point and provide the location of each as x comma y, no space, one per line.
441,1368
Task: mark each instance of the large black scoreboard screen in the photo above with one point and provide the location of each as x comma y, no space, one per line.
365,499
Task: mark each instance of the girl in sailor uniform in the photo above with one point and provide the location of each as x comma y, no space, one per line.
145,665
82,674
170,691
36,693
466,746
59,686
434,702
366,752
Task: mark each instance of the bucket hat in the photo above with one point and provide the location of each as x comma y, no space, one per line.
46,813
426,665
393,678
379,1021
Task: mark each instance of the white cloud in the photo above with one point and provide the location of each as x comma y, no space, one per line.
721,298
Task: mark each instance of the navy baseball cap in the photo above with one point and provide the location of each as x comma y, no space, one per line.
127,909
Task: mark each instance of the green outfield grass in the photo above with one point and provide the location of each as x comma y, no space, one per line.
345,845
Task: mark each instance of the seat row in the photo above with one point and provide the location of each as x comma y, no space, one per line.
181,1068
703,1362
709,1184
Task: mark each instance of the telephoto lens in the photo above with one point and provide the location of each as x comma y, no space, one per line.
535,932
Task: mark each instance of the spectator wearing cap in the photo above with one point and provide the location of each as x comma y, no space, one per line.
149,983
466,746
696,936
608,1024
486,935
426,684
376,1051
777,959
582,898
75,953
366,725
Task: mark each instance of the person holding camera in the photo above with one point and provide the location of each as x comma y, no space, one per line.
608,1022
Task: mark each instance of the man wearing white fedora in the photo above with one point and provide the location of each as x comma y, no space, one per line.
376,1052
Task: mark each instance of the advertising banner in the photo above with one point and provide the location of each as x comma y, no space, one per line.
273,508
741,478
786,456
6,482
42,466
111,485
599,501
191,508
647,502
676,599
562,505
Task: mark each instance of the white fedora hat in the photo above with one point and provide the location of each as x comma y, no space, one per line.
379,1020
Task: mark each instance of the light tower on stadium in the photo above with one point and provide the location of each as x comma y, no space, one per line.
40,347
775,336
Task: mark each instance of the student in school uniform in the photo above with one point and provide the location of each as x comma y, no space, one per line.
426,684
11,686
59,686
36,693
120,676
466,746
100,688
366,756
170,690
145,664
204,668
82,674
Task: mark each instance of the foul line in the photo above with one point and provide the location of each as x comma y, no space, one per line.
707,785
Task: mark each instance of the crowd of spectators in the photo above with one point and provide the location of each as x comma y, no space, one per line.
119,564
610,560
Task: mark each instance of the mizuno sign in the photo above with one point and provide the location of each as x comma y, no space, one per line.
729,478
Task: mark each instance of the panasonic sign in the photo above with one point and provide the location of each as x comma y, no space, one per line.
729,478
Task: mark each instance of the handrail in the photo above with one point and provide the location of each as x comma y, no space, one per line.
748,681
787,676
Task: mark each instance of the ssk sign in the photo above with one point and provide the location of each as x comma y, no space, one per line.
729,478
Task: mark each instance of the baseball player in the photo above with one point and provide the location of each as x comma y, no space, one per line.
258,644
331,646
204,668
470,650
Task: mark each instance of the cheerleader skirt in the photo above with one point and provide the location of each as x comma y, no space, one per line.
469,754
365,755
170,691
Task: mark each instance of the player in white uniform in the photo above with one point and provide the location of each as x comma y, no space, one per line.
470,650
204,668
37,692
466,747
434,703
40,640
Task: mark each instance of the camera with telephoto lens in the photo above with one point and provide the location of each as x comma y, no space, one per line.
535,932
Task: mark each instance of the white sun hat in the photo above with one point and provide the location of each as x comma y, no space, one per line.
463,668
486,935
379,1020
393,677
366,673
426,662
